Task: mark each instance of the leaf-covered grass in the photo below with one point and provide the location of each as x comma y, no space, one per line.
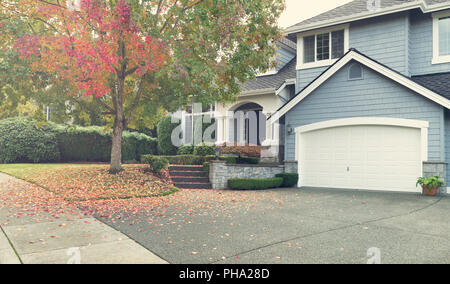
81,182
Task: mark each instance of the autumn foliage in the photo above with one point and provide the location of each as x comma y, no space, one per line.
87,46
135,59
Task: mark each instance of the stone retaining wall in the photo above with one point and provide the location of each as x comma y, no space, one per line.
220,172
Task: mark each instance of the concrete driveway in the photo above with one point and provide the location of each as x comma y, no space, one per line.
297,226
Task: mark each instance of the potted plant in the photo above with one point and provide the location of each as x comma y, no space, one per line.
430,185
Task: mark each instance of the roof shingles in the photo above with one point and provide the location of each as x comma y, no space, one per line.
438,83
272,81
357,7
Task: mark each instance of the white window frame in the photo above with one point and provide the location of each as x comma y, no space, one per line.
321,63
438,59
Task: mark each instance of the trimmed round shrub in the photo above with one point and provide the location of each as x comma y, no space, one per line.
22,141
289,179
186,150
204,150
164,130
254,184
156,163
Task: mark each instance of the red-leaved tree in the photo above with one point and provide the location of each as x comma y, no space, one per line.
133,56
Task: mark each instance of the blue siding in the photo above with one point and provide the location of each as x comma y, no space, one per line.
284,57
376,96
384,39
304,77
421,46
447,145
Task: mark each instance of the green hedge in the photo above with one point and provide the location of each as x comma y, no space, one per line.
93,144
289,179
164,130
22,141
240,160
229,160
254,184
186,159
156,163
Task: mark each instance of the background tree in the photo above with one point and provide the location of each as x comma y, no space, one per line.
134,57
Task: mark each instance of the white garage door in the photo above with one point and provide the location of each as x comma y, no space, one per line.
373,157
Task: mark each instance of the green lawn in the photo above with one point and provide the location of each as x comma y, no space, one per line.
80,182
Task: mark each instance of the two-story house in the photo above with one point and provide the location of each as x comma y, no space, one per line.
361,101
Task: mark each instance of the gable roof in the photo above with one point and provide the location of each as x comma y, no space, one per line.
272,82
358,9
354,54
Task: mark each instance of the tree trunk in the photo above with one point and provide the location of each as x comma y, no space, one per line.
116,149
119,124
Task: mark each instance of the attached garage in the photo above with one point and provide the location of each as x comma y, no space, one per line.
370,153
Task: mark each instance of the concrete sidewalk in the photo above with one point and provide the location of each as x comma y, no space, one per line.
44,239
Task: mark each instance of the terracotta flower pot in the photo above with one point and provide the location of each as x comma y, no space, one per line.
430,191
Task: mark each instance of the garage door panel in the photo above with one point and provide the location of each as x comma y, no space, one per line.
365,157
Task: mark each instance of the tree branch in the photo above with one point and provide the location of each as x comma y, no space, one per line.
183,10
110,109
135,102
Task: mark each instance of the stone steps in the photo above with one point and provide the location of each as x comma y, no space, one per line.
189,177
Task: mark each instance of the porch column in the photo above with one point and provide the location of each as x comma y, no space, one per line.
228,124
268,141
241,127
220,120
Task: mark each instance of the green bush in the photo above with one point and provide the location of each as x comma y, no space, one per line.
204,150
255,184
186,159
164,130
156,163
240,160
186,150
289,179
248,160
22,141
229,160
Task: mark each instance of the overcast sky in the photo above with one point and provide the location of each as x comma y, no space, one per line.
298,10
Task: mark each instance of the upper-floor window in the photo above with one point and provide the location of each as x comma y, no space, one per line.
321,48
441,37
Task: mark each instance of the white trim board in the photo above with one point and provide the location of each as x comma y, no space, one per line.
354,55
